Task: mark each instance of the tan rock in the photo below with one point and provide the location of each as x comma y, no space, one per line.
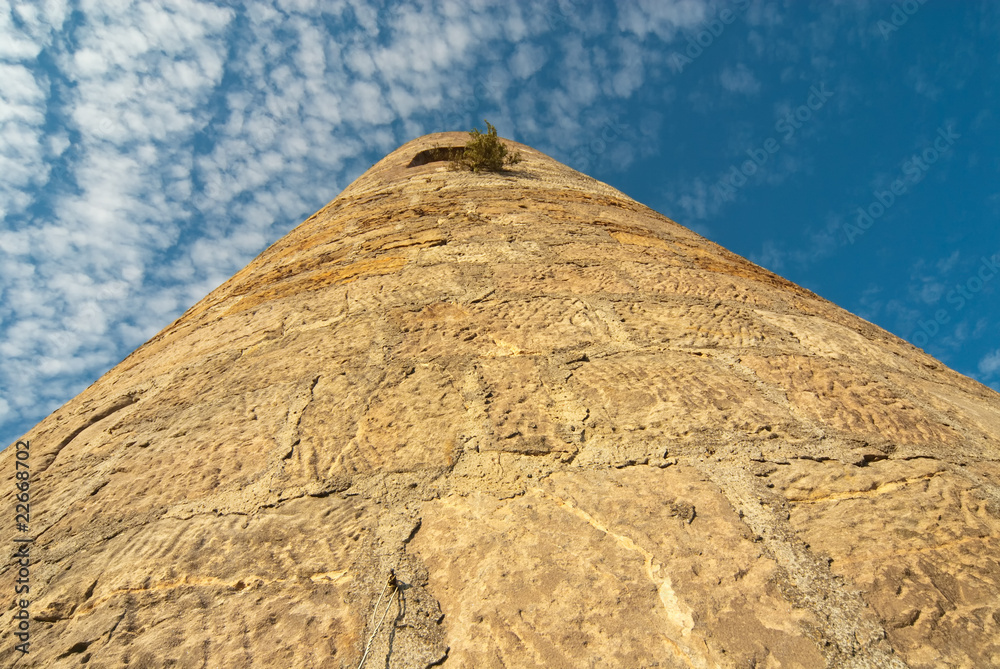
579,435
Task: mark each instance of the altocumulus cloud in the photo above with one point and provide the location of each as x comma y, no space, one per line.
149,150
739,80
990,364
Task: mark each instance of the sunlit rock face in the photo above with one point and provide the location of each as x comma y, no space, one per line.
579,435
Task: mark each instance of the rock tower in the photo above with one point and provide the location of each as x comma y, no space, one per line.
574,432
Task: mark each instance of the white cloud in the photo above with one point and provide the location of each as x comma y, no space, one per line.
22,153
693,198
990,364
36,23
946,265
664,18
15,46
769,256
930,291
922,84
630,72
527,59
739,80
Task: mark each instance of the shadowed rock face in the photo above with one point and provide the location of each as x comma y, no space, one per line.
580,434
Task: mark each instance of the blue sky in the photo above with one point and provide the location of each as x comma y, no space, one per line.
150,150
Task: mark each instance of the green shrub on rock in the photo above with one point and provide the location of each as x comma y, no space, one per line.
486,153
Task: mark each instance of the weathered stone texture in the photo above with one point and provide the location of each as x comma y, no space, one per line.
580,434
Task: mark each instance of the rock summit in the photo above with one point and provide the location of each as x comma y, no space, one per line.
572,432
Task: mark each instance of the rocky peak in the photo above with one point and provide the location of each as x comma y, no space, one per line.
576,433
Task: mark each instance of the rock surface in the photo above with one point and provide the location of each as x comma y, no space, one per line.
580,434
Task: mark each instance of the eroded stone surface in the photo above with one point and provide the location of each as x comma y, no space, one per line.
690,585
580,435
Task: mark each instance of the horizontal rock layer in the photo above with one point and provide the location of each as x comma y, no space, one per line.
578,433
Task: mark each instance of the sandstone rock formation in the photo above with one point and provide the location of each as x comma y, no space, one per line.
578,433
